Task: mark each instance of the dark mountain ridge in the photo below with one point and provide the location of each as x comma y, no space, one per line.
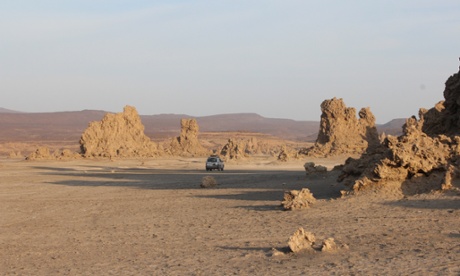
69,125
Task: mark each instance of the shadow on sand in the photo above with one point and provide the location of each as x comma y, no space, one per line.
444,203
268,185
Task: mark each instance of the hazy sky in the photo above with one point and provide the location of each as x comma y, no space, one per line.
276,58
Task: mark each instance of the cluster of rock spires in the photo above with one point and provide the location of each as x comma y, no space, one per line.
341,132
121,135
117,135
187,144
43,153
237,149
424,158
427,152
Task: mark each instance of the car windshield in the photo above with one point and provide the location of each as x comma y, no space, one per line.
212,159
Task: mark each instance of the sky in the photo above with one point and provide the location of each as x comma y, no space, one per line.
279,59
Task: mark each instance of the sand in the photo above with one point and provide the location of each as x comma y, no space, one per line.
150,217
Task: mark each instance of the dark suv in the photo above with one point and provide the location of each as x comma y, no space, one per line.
214,162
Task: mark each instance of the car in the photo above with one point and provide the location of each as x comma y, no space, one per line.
214,162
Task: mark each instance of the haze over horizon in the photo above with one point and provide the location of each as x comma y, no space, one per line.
279,59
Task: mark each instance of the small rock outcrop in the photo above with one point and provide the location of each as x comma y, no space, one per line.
187,144
118,135
296,200
15,154
40,153
240,149
341,132
235,149
329,244
43,153
208,182
312,168
301,240
306,241
287,154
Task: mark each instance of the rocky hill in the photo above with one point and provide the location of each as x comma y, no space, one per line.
393,127
69,125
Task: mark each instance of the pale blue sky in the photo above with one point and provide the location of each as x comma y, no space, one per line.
275,58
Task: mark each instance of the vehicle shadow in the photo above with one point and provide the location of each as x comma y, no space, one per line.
270,184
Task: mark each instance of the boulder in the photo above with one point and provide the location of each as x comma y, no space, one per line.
306,241
301,240
208,182
312,168
296,200
328,245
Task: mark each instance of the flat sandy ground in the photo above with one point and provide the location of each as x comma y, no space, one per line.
150,217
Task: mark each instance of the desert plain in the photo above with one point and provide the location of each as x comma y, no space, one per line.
122,204
150,217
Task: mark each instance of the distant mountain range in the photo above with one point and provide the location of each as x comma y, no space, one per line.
4,110
393,127
69,125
